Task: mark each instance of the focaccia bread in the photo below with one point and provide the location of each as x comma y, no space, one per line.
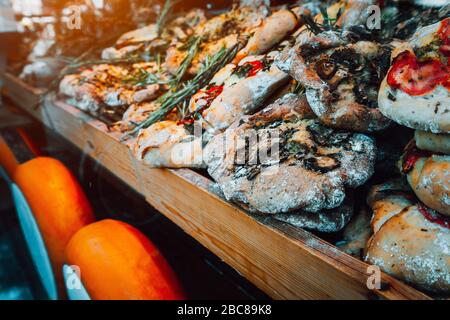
428,175
224,30
296,163
356,234
387,200
416,90
237,90
331,220
168,144
438,143
341,74
107,85
147,38
413,248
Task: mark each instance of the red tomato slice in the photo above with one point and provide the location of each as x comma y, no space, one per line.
433,216
444,31
412,155
256,67
416,77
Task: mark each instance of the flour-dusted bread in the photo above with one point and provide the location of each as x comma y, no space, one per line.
413,248
237,90
416,91
223,30
341,74
139,112
438,143
106,88
271,32
356,234
84,96
169,144
278,161
147,38
429,177
331,220
387,200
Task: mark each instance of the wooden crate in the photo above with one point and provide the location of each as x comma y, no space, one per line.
284,261
20,92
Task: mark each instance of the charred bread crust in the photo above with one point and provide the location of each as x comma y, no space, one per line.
309,171
331,220
341,77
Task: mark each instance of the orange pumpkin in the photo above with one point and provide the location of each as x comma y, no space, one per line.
117,262
7,159
58,203
30,143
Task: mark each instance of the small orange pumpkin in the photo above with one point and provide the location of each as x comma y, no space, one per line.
117,262
58,203
7,159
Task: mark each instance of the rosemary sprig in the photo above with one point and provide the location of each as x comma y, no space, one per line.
191,47
163,17
142,77
329,24
173,98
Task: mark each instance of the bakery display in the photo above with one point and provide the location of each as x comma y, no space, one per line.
279,106
299,115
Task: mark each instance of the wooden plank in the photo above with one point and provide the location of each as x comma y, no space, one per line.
283,261
20,92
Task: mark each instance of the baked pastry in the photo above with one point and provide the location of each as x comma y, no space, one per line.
234,91
438,143
387,200
114,87
428,174
331,220
168,144
147,39
282,159
224,30
271,32
139,112
341,74
237,90
356,234
412,243
415,93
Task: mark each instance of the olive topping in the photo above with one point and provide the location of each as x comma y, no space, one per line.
325,68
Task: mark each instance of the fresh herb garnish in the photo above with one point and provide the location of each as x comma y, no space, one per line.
164,16
180,95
